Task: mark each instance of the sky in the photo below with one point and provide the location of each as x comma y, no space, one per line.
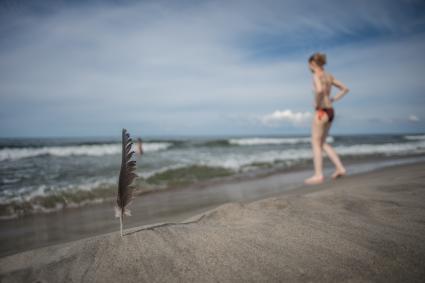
90,68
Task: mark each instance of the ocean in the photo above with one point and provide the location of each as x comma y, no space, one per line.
47,174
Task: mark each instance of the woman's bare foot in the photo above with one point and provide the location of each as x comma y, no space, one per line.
315,180
339,173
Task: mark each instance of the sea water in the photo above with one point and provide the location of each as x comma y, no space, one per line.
51,173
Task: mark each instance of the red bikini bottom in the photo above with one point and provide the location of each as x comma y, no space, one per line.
328,111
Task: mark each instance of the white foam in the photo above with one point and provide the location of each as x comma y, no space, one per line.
415,138
29,193
89,150
387,149
148,174
237,161
265,141
9,181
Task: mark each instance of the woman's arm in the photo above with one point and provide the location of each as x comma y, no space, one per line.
344,89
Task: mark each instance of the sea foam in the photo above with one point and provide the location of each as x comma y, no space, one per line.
61,151
271,141
414,138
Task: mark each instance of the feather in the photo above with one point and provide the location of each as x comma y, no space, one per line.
126,178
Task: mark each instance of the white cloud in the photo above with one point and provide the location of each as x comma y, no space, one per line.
285,116
413,118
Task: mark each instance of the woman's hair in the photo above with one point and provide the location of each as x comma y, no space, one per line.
318,58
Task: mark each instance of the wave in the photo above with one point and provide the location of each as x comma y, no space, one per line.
241,161
188,167
46,199
62,151
273,141
415,137
26,194
238,162
386,149
151,173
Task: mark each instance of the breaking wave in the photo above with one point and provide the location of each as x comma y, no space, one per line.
61,151
271,141
415,138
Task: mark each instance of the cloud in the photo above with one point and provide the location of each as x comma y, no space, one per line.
285,116
413,118
158,65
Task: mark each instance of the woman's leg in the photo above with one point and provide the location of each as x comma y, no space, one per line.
317,134
333,156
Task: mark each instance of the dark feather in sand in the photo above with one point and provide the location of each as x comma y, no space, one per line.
127,175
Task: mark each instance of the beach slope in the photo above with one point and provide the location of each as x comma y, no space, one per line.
368,227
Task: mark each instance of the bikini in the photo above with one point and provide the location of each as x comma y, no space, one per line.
328,111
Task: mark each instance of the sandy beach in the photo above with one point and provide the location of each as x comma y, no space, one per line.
196,141
367,227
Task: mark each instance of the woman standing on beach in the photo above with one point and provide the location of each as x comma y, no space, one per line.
323,117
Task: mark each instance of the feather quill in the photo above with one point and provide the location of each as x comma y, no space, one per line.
126,178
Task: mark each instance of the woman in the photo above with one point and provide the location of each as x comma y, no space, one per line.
323,117
139,147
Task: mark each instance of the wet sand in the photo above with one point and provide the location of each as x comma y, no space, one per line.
367,227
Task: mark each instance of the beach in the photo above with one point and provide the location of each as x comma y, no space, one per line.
212,141
365,227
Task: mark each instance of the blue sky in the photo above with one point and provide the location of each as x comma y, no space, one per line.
89,68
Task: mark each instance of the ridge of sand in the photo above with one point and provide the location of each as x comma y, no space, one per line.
368,227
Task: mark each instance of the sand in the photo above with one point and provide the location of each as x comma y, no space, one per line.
368,227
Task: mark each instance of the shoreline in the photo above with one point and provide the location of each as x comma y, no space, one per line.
63,200
41,230
365,227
